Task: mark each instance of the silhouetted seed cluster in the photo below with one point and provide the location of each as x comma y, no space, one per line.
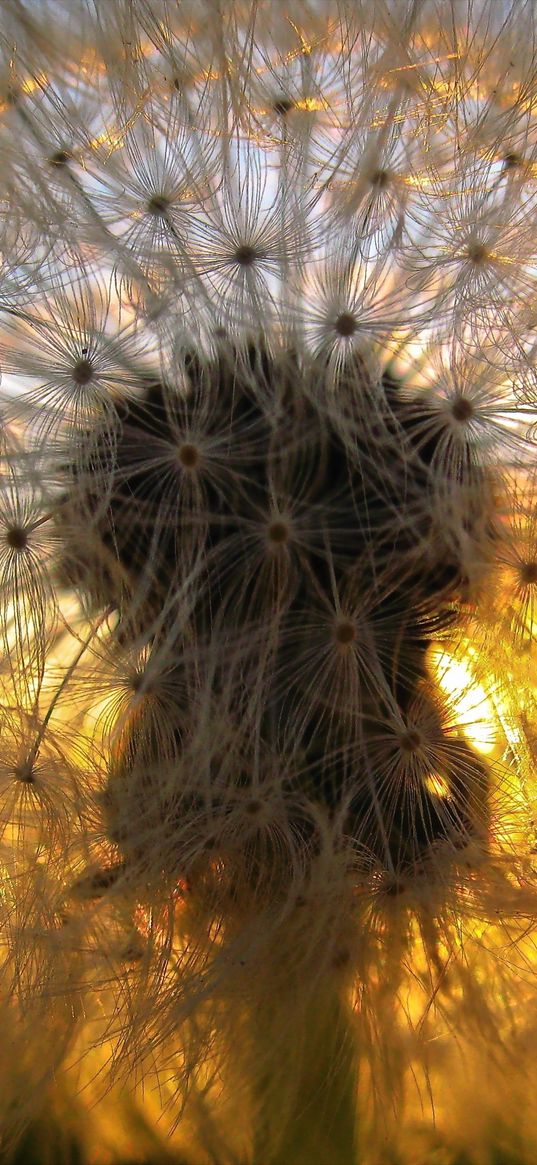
277,534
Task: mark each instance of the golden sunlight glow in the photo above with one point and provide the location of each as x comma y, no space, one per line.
30,84
311,104
27,86
114,141
420,181
436,785
471,704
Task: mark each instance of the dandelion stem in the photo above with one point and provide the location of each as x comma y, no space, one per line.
307,1096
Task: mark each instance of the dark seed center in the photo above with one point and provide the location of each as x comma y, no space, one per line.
380,179
245,255
17,538
345,324
410,741
341,958
60,158
278,532
477,253
528,572
254,807
345,632
283,105
83,372
189,456
158,204
462,409
25,773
